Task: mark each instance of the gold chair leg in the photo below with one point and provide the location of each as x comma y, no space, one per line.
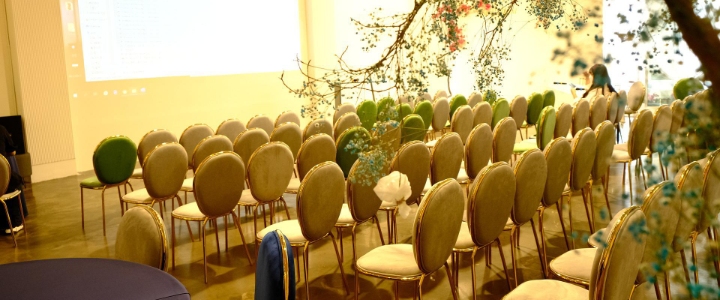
357,274
544,243
512,253
82,208
668,295
605,191
377,223
122,212
217,236
537,246
342,271
562,223
419,287
389,226
203,237
684,264
192,239
172,239
342,248
472,271
22,214
102,195
7,213
590,217
225,223
642,170
242,237
306,263
712,235
394,224
287,212
572,231
450,280
630,176
693,240
502,259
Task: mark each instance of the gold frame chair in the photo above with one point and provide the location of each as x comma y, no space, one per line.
15,194
158,221
585,194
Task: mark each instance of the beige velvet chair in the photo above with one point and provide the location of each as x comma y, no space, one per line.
248,141
345,122
689,184
317,126
317,149
231,128
613,268
598,111
531,173
580,116
141,238
474,99
584,146
287,116
478,151
482,114
518,111
147,143
441,94
8,195
678,114
605,138
504,140
319,203
435,229
662,121
619,117
635,99
441,114
425,96
462,122
711,195
191,137
563,120
612,107
445,159
263,122
638,141
290,134
488,209
342,110
218,185
206,147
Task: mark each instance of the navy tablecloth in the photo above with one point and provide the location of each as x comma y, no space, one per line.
87,278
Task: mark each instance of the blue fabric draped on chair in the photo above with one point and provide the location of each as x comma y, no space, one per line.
274,277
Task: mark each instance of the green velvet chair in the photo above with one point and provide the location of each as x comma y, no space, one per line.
535,106
114,162
367,111
357,138
413,128
548,98
403,110
490,97
385,110
501,110
425,110
686,87
545,134
455,102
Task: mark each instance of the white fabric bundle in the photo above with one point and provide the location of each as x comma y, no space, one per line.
395,189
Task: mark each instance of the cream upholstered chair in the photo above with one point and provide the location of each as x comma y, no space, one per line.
191,137
317,126
563,120
612,107
441,94
231,128
482,114
317,149
635,99
619,117
248,141
488,209
530,178
545,131
613,268
638,141
4,183
462,122
689,184
518,111
342,110
141,238
604,136
678,114
345,122
413,160
445,159
558,155
394,136
290,134
218,185
478,151
441,114
662,121
711,195
580,116
435,230
319,203
425,96
206,147
287,116
148,142
598,111
474,99
584,146
504,140
263,122
268,175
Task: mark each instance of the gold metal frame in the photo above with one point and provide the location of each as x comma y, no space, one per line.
604,259
161,230
14,194
286,268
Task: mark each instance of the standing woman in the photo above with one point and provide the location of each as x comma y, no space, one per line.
7,149
599,82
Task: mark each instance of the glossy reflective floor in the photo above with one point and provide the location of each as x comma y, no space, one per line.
55,232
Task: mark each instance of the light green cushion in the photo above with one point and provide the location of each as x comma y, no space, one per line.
91,182
457,101
114,159
546,127
403,110
360,139
686,87
385,109
535,105
501,110
425,110
490,96
549,98
413,128
367,111
525,145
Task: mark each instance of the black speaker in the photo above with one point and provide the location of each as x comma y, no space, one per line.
14,126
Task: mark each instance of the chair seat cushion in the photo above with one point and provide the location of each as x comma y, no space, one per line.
294,185
137,173
464,239
384,204
509,224
462,175
247,198
576,264
189,211
187,185
91,182
623,147
597,238
140,196
620,155
345,216
397,260
290,229
525,145
546,289
431,144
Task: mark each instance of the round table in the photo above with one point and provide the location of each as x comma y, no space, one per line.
87,278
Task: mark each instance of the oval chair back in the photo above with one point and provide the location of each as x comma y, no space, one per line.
490,202
598,111
164,170
263,122
583,158
611,276
346,157
248,141
288,133
362,200
114,159
546,127
678,114
605,138
424,109
558,155
612,107
504,140
462,122
535,105
269,171
208,146
635,96
622,104
478,150
580,116
456,102
446,158
662,121
5,176
563,120
549,98
425,96
403,110
640,133
710,190
231,128
412,128
345,122
500,110
317,126
342,110
666,212
287,116
141,238
413,160
441,114
530,178
317,149
490,96
518,110
404,99
441,94
192,136
274,277
218,183
689,182
386,110
392,137
320,200
474,99
367,112
151,140
437,225
482,114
